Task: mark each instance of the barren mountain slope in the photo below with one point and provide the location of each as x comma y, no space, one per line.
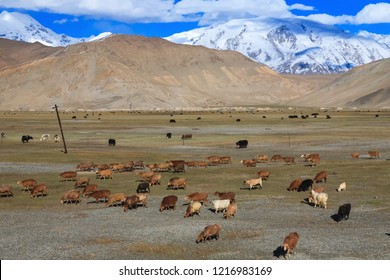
366,86
144,73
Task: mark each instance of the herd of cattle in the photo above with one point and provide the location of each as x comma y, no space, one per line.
150,175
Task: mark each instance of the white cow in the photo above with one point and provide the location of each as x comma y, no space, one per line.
56,139
45,137
342,187
220,204
319,199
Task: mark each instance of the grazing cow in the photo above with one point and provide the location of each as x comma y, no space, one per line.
220,205
231,210
192,209
315,161
40,188
214,160
289,160
290,243
355,155
373,154
6,190
319,199
70,197
116,199
45,137
155,179
322,175
67,176
56,139
168,202
318,189
342,187
27,184
100,194
307,157
87,166
177,166
104,174
177,183
146,175
305,185
130,202
226,195
249,162
210,231
142,199
186,136
253,183
343,212
263,174
82,182
225,160
262,158
276,158
169,135
197,197
294,185
89,189
111,142
143,187
242,143
26,138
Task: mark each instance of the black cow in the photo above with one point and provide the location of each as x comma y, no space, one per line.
305,185
343,213
111,142
26,138
242,143
143,187
169,135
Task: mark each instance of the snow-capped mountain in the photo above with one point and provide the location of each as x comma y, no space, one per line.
289,45
22,27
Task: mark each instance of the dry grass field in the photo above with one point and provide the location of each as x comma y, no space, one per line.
43,228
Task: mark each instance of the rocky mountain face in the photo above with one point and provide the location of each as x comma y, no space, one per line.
292,46
21,27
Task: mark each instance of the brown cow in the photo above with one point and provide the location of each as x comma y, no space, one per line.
198,197
262,158
155,179
225,160
27,184
146,175
254,182
226,195
130,202
168,202
70,197
142,199
88,166
214,160
289,160
192,209
67,176
177,183
373,154
6,190
322,175
82,182
290,243
210,231
249,162
40,188
231,211
263,174
294,185
116,199
88,189
104,174
276,158
355,155
99,194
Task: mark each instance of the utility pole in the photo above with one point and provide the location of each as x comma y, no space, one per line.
62,132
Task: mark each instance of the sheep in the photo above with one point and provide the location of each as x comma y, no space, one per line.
231,210
168,202
6,190
199,197
342,187
226,195
220,205
322,175
254,182
130,202
40,188
295,184
319,199
290,243
192,209
70,197
209,232
115,199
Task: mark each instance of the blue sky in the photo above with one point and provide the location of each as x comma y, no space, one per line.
161,18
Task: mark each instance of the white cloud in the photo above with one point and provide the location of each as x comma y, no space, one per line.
61,21
301,7
374,13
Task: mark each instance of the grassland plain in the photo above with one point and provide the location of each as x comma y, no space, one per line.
43,228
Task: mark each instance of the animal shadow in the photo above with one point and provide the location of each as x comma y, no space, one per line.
278,252
336,218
